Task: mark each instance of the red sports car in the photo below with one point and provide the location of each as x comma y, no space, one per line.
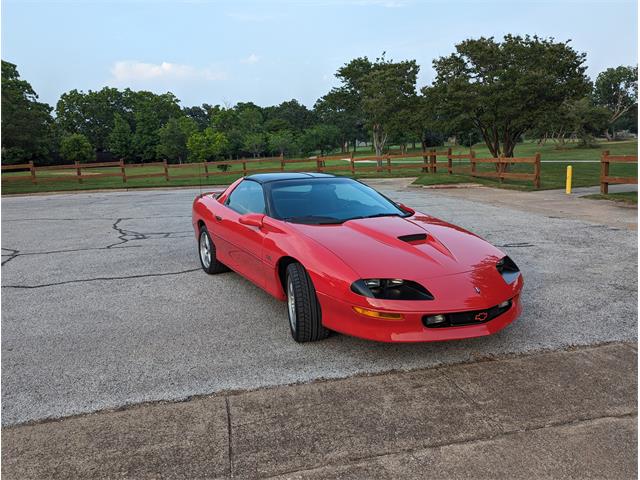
347,259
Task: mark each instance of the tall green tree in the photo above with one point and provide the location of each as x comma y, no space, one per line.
120,140
389,91
207,146
173,136
616,89
254,143
320,137
382,91
505,88
281,142
27,126
91,114
151,112
342,108
76,147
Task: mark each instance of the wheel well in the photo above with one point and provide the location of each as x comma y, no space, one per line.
200,225
283,263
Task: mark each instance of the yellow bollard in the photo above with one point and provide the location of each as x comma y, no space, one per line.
569,173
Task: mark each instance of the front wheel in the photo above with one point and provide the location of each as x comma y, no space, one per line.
303,308
207,251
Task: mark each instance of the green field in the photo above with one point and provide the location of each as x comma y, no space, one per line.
552,176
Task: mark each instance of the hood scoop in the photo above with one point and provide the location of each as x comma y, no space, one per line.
414,239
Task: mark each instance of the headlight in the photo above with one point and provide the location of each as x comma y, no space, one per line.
508,269
391,289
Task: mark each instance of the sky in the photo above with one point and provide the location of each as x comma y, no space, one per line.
224,52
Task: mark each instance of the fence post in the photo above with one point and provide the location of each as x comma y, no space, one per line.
122,171
206,169
353,165
425,162
536,171
166,169
434,161
78,173
244,169
32,169
604,172
282,162
388,164
472,159
449,162
318,164
501,165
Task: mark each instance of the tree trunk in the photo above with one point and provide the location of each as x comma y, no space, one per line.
379,140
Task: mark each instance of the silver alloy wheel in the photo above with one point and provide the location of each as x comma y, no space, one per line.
205,249
291,304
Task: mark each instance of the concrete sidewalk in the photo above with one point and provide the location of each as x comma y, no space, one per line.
567,414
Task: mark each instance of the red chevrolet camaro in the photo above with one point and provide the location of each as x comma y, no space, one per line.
347,259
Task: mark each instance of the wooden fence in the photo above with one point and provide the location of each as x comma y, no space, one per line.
605,179
425,162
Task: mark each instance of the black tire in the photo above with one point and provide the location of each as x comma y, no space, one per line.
307,324
214,265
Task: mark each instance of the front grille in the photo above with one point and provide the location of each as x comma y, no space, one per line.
474,317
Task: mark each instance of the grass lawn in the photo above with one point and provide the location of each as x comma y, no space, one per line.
626,197
553,174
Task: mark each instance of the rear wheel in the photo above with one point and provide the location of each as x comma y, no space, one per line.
303,308
207,253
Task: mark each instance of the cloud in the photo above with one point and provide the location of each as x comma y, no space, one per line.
132,71
251,59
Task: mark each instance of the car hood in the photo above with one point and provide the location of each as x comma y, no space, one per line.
413,248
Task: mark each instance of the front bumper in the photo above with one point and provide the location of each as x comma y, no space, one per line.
339,316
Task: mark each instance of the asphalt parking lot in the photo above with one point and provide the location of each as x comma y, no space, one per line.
105,305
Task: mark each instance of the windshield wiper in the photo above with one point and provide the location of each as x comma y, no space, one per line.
313,220
375,215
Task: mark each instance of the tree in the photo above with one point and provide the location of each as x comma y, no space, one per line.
27,126
92,114
616,89
384,91
120,139
388,92
281,142
151,112
199,114
254,143
505,88
320,137
290,115
76,147
173,136
342,108
207,145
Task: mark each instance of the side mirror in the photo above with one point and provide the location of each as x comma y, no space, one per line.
406,209
252,219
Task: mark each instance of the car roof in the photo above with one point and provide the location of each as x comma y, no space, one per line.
278,176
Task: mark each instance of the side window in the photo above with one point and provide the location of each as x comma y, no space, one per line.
247,198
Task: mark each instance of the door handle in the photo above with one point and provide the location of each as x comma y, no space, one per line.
218,218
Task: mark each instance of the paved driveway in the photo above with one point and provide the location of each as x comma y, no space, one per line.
104,303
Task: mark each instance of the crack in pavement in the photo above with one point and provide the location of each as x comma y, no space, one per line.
18,254
13,254
101,279
127,235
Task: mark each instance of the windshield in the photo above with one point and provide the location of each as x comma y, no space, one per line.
327,201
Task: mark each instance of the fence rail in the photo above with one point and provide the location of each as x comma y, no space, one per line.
425,162
605,178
